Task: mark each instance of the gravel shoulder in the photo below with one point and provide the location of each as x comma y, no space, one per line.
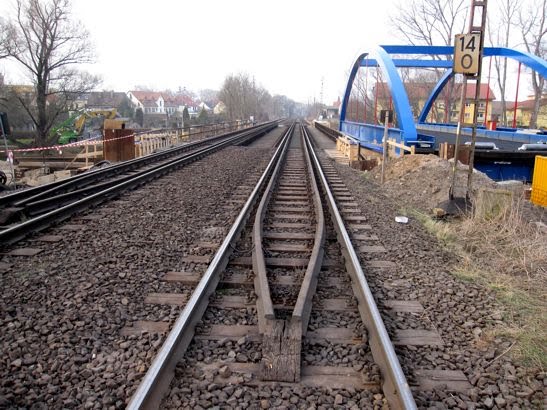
464,313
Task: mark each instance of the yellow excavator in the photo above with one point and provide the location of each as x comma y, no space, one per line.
69,130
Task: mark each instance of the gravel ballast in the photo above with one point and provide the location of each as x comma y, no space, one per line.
62,310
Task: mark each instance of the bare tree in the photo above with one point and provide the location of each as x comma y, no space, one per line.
209,96
359,99
48,44
431,22
230,95
3,38
533,28
243,98
499,33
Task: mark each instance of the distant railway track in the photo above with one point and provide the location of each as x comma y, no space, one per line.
31,210
329,132
273,322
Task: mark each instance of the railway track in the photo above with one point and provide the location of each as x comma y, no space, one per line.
305,321
27,211
83,319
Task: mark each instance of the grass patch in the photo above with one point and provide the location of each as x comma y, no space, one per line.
505,254
466,275
440,229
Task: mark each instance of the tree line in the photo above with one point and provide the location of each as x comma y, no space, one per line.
244,99
50,46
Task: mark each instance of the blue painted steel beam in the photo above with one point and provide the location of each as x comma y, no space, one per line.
400,98
529,60
412,63
396,87
381,57
405,49
349,85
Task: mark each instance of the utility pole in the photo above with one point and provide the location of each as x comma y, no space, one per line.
321,95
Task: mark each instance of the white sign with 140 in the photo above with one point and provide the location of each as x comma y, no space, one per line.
467,54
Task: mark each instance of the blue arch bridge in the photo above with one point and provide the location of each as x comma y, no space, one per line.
413,129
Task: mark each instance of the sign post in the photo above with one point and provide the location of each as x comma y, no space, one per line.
386,116
4,128
468,51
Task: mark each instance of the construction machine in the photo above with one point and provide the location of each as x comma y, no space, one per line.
71,129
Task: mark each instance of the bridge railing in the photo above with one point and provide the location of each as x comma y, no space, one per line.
523,137
369,135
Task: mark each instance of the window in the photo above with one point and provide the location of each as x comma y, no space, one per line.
468,104
481,115
481,105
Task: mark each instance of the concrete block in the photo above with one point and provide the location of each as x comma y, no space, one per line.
67,173
491,203
45,179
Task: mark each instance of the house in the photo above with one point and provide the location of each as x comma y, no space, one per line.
496,113
523,111
332,111
160,108
10,96
175,103
220,108
151,102
486,96
526,107
446,106
154,102
104,100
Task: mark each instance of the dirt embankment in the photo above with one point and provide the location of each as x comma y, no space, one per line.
423,181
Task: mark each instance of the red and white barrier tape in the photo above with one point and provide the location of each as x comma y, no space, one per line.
72,144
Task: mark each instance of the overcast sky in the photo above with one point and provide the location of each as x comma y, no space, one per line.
289,46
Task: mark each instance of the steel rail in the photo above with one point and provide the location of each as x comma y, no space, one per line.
282,339
22,197
35,206
395,385
158,377
302,308
264,305
329,132
19,231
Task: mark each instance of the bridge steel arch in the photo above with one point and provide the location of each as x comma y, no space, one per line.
370,134
529,60
400,99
